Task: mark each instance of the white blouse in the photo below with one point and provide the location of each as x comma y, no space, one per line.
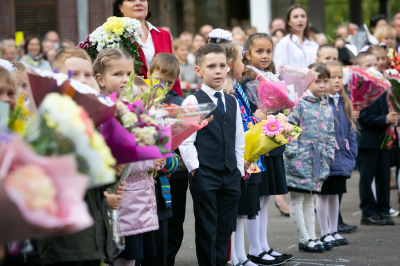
289,51
148,46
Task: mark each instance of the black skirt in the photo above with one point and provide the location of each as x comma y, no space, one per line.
274,178
138,247
249,203
334,185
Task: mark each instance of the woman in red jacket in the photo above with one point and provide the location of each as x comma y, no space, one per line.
155,39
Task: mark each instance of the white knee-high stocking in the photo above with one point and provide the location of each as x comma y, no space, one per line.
333,214
297,216
233,243
323,213
239,244
309,215
264,225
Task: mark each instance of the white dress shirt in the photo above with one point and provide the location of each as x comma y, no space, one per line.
289,51
188,150
148,46
335,97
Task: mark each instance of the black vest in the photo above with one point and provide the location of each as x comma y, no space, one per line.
215,143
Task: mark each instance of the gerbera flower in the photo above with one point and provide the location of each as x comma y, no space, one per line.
273,127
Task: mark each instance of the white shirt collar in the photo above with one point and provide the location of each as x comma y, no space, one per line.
210,91
151,27
337,95
310,93
296,39
254,69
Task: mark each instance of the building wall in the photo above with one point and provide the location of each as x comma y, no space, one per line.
7,19
67,25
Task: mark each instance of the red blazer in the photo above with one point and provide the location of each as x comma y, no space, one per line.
162,44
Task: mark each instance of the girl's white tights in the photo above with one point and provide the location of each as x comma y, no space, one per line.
124,262
257,231
328,213
302,216
238,252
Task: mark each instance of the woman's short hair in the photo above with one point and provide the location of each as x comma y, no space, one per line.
117,11
29,39
384,31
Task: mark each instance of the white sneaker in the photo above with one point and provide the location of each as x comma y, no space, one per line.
393,212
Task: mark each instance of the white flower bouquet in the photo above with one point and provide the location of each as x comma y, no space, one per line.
116,32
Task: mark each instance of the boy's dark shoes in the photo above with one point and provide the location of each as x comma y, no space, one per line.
372,220
346,229
259,260
387,218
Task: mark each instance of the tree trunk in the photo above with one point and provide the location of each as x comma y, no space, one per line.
189,15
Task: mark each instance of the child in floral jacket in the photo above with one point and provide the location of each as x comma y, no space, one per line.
307,160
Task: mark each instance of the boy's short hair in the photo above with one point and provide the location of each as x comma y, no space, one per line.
179,43
18,67
361,56
324,46
167,64
208,49
69,52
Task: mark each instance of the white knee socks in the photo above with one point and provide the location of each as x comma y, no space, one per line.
240,251
124,262
328,210
234,258
302,216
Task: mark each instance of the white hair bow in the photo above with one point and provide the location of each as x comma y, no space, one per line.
220,34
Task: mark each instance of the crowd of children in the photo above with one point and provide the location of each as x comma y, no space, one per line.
225,198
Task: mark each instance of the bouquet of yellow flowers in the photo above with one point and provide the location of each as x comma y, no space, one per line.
20,116
63,127
268,135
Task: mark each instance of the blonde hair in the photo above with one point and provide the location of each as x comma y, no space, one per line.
69,52
18,67
384,31
7,46
8,78
179,43
348,107
105,57
167,64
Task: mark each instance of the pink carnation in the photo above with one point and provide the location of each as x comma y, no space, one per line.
272,127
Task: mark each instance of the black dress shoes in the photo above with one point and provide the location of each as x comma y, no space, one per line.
346,229
372,220
387,218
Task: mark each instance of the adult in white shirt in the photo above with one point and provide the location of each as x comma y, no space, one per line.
295,49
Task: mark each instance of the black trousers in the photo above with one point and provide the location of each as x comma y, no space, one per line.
340,219
215,198
374,163
178,188
161,247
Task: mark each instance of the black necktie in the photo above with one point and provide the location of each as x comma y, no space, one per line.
220,103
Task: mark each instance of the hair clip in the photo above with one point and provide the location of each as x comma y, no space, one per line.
244,50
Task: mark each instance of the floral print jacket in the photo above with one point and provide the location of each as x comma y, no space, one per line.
307,160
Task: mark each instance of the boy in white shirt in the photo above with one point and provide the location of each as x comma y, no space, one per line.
214,157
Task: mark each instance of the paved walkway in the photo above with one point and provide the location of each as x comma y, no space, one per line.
368,245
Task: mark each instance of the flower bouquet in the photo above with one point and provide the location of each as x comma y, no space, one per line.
366,86
63,127
394,58
300,78
116,32
154,95
267,135
183,120
134,136
393,99
20,116
40,195
44,82
270,94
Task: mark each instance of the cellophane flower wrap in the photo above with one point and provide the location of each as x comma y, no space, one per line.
393,99
134,136
183,120
270,94
45,82
116,32
265,136
63,127
366,86
299,78
39,195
